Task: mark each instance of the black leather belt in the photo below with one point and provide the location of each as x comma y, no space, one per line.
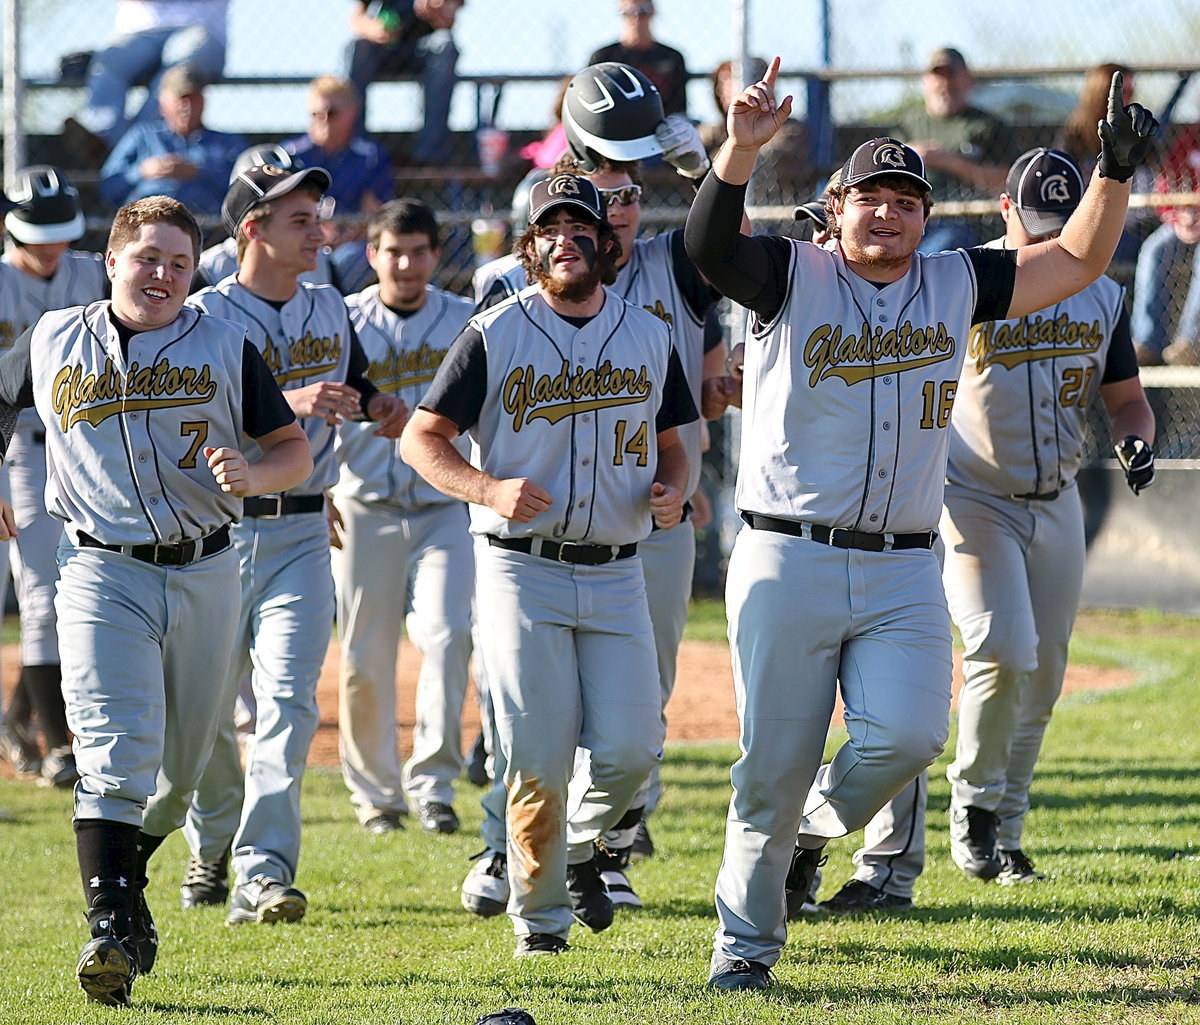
182,554
1036,496
271,507
564,551
841,537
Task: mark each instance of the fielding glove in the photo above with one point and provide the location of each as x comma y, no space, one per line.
1124,136
1137,460
681,146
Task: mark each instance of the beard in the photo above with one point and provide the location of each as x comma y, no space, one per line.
575,290
876,256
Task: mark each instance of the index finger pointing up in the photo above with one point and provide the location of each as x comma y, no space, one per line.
1116,96
772,72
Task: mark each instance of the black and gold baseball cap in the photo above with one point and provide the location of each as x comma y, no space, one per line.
572,190
258,185
1045,185
877,157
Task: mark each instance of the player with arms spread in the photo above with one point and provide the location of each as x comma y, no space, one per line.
850,374
148,486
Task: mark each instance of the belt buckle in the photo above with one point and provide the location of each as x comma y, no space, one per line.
833,533
563,546
278,500
175,555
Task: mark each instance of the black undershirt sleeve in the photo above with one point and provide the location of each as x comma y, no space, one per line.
996,275
1121,363
697,293
264,409
750,270
356,371
713,333
460,385
677,406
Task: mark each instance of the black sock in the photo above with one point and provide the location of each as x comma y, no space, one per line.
44,686
108,863
146,846
19,707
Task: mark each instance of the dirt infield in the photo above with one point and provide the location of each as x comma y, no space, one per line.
702,708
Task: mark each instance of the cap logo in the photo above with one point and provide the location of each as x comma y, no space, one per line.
892,154
272,169
1054,189
563,185
633,91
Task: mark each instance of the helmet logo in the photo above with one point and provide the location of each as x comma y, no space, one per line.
606,101
892,154
273,170
42,183
1055,190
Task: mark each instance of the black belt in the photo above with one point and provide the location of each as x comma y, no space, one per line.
565,551
841,537
1036,496
271,507
182,554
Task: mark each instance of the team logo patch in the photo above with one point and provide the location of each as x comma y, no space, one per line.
891,154
563,185
1054,189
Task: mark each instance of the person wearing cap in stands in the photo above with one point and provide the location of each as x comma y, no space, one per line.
174,155
561,493
219,261
966,150
46,274
1014,538
305,336
637,47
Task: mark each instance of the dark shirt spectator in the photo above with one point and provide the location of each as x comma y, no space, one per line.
174,156
399,38
638,48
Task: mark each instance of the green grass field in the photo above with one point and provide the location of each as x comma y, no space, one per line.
1112,936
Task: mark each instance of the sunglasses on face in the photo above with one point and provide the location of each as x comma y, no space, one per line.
626,195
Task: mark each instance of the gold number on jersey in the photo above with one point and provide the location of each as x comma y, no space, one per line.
1076,386
199,431
638,445
937,401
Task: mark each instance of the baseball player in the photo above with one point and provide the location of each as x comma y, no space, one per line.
401,538
220,261
1013,532
834,581
147,487
571,398
47,275
306,338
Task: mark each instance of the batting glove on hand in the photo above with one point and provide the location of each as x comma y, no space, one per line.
681,146
1137,460
1125,135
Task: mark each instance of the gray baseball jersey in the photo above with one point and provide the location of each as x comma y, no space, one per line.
403,354
576,415
305,340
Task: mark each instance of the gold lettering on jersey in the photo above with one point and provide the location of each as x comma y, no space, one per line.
401,369
1011,343
530,397
93,398
876,351
660,311
308,356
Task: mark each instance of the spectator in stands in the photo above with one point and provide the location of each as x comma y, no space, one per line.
966,150
363,177
402,38
638,48
174,156
151,37
1165,318
785,169
1078,138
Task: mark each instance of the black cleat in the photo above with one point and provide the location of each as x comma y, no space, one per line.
268,900
590,904
437,817
858,895
735,973
798,884
1016,869
206,882
536,943
973,841
143,936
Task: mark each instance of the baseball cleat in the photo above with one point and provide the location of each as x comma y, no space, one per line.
106,971
643,845
384,823
58,769
973,841
1016,868
620,890
590,904
858,895
736,973
535,943
485,890
437,817
799,884
267,900
206,882
143,936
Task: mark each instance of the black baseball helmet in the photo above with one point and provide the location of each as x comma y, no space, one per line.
256,156
612,110
45,207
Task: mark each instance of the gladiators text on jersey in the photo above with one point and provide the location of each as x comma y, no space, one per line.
403,369
1011,343
529,396
95,397
854,358
308,356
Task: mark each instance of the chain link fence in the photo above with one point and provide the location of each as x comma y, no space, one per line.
855,70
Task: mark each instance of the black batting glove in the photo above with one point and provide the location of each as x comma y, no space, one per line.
1124,136
1137,460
